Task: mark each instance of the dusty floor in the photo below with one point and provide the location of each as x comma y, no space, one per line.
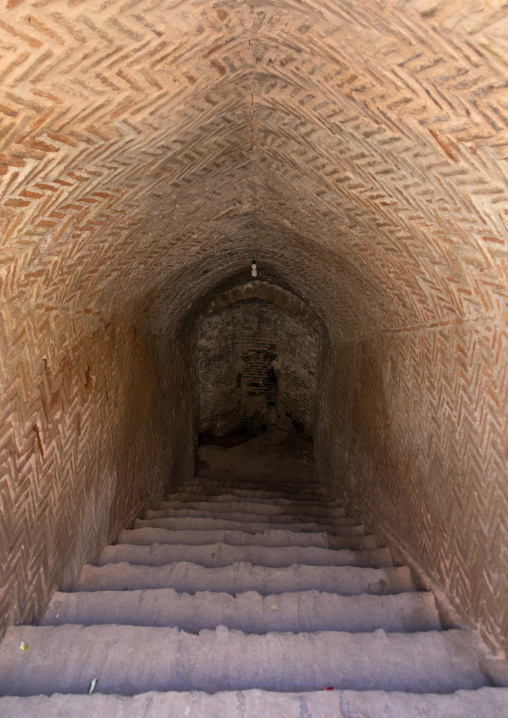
276,455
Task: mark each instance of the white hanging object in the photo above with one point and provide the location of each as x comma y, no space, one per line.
254,269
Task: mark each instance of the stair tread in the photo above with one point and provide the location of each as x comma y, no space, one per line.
271,501
249,526
252,507
211,491
269,537
249,612
357,540
243,576
271,484
292,490
220,554
245,516
148,535
133,659
255,703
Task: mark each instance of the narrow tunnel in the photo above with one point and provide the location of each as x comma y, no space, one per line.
358,151
257,350
256,365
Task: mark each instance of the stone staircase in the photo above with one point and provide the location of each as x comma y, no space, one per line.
259,599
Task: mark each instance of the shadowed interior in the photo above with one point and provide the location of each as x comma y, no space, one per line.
256,366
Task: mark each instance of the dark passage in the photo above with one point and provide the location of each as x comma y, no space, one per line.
257,370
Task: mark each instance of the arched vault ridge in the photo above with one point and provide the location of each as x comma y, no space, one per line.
270,293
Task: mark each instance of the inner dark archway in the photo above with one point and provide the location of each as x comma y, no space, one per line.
256,368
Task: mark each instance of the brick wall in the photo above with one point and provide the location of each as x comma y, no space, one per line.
412,436
83,445
256,366
360,150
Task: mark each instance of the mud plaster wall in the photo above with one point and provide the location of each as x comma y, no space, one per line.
83,447
413,439
256,365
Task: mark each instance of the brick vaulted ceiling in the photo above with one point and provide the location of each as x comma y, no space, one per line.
150,147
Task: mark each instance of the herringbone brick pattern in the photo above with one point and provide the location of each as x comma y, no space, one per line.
125,126
431,409
149,149
76,463
267,292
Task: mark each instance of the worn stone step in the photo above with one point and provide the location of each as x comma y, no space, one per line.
288,490
269,537
254,507
322,501
240,577
249,612
482,703
221,554
207,524
185,497
277,537
358,542
210,491
133,659
240,515
297,487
